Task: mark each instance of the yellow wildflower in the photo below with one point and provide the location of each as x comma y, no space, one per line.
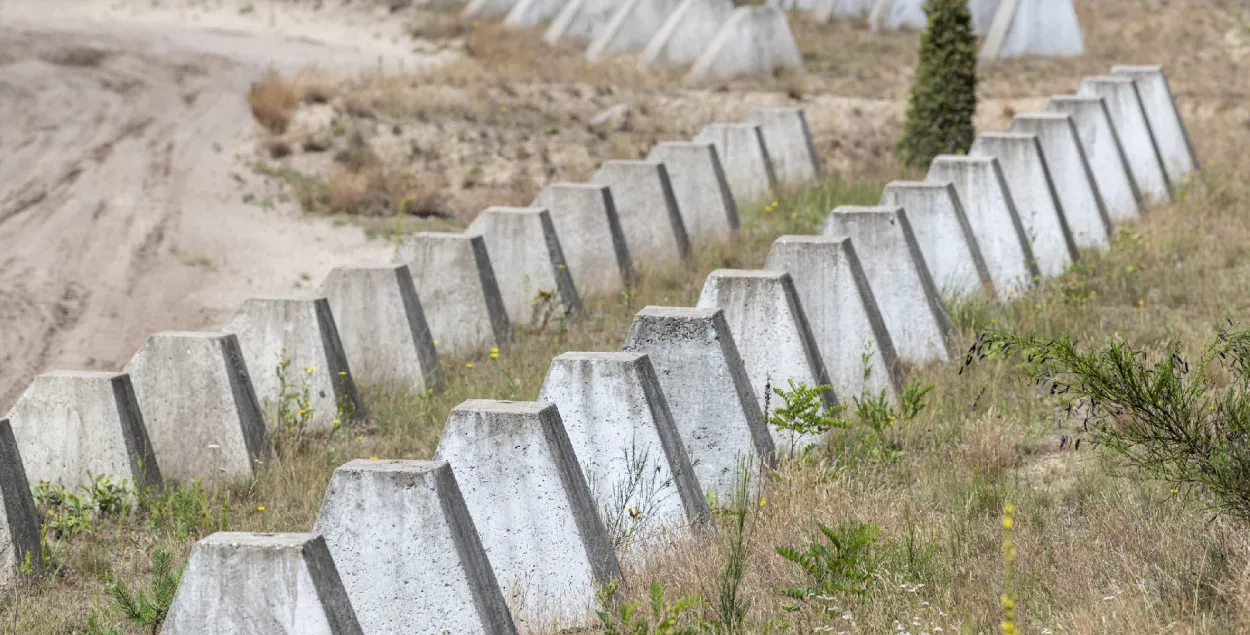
469,365
763,501
373,458
260,508
311,369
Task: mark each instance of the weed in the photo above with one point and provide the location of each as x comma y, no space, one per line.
803,413
847,568
147,609
626,620
187,513
634,502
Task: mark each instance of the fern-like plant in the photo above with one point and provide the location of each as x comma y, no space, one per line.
846,568
944,94
803,414
147,609
627,619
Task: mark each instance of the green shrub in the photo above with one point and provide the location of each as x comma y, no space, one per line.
847,568
944,95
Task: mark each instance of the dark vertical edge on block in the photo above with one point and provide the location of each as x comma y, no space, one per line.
336,361
761,437
931,293
674,213
768,160
1154,143
1176,111
884,342
493,299
1089,177
565,286
978,259
815,361
19,505
1030,261
1119,148
684,477
427,354
143,466
1068,240
330,591
811,143
623,259
722,185
251,418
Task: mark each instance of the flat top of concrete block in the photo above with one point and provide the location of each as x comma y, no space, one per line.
749,273
683,312
391,465
259,539
803,238
867,209
284,300
1045,116
199,335
371,268
1145,68
963,158
919,185
685,144
501,209
630,162
443,236
83,374
1008,136
1082,99
731,124
506,407
1106,79
577,186
604,357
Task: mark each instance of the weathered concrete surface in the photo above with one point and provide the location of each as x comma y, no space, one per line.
486,8
685,34
622,431
595,250
745,157
908,15
631,27
248,583
456,282
789,142
647,209
1128,117
1079,195
528,261
909,301
200,410
580,19
708,390
708,210
1171,137
382,326
299,335
20,541
532,507
993,217
1046,28
830,10
526,13
1104,152
753,41
69,424
1034,194
407,551
946,240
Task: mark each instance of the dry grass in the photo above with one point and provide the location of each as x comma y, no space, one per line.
273,101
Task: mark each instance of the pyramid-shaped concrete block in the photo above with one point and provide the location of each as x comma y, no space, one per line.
631,453
708,210
1034,194
245,583
595,250
72,425
1128,117
843,313
789,142
827,10
294,341
685,33
909,15
199,407
529,13
580,19
993,217
20,542
1082,201
630,28
1104,152
1045,28
532,508
946,240
407,551
529,264
708,391
456,282
744,155
909,301
382,326
753,41
647,209
487,8
1164,118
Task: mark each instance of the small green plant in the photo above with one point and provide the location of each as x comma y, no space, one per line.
293,411
846,568
732,609
803,414
65,514
147,609
634,502
624,618
943,97
186,512
112,499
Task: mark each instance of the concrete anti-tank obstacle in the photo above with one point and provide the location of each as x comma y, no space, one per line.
596,252
789,142
647,209
910,304
199,407
992,214
630,28
753,41
908,15
529,263
745,157
298,336
487,8
770,329
708,391
531,506
622,431
946,240
20,543
456,282
708,210
528,13
1047,28
843,313
246,583
1170,134
408,552
580,19
1033,192
1128,117
1107,161
382,326
685,34
1078,191
70,425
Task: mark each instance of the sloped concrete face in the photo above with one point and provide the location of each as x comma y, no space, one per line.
770,329
237,583
486,8
1078,192
789,143
1107,161
1046,28
708,210
1171,137
407,551
456,282
685,33
631,27
527,13
300,337
69,424
532,508
382,326
946,240
1033,192
19,525
908,15
596,251
753,41
1129,120
582,19
745,157
529,264
843,313
910,305
708,390
622,432
647,209
200,410
830,10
